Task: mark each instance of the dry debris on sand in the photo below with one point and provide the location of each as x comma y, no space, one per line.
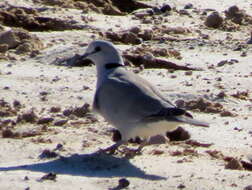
197,53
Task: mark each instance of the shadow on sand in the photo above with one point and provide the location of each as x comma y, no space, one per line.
90,165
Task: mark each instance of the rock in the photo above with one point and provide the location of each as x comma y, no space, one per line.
234,164
6,110
249,187
60,122
135,30
130,38
181,186
246,165
24,48
33,22
45,120
116,135
55,109
188,73
250,40
235,14
7,133
9,39
178,135
165,8
147,35
3,48
48,154
123,183
188,6
222,63
152,62
214,20
67,112
20,39
49,176
157,139
111,10
28,116
17,104
81,111
226,114
157,152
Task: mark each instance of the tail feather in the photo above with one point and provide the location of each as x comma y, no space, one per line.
192,121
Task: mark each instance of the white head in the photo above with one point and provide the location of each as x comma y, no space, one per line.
101,53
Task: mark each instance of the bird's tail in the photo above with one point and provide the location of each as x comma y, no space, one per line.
192,121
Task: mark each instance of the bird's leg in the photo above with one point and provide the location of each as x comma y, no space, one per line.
143,144
111,149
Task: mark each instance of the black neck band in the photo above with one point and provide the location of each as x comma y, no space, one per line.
112,65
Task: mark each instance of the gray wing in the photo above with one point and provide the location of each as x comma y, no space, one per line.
127,97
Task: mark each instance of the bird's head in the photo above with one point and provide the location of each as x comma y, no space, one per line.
101,53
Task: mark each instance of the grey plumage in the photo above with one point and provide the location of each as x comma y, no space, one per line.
129,102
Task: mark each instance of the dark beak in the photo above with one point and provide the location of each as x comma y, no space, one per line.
85,56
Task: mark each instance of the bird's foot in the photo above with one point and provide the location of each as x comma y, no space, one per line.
131,152
111,149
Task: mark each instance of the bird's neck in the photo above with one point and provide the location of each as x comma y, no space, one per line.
103,71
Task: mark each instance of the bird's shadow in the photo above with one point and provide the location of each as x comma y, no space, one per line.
89,165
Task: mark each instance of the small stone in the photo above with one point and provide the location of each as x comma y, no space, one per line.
214,20
157,139
243,54
16,104
222,63
234,164
116,135
222,94
178,135
184,12
226,114
188,6
123,183
67,112
250,40
181,186
49,176
188,73
45,120
165,8
48,154
157,152
7,133
3,48
55,109
147,35
249,187
135,30
130,38
180,103
60,122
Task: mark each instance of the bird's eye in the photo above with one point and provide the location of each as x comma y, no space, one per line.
97,49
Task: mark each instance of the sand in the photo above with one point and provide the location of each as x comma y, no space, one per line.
42,82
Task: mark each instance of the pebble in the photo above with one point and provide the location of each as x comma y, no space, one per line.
123,183
45,120
60,122
234,164
214,20
165,8
249,187
49,176
188,6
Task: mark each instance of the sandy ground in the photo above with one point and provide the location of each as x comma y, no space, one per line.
40,85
